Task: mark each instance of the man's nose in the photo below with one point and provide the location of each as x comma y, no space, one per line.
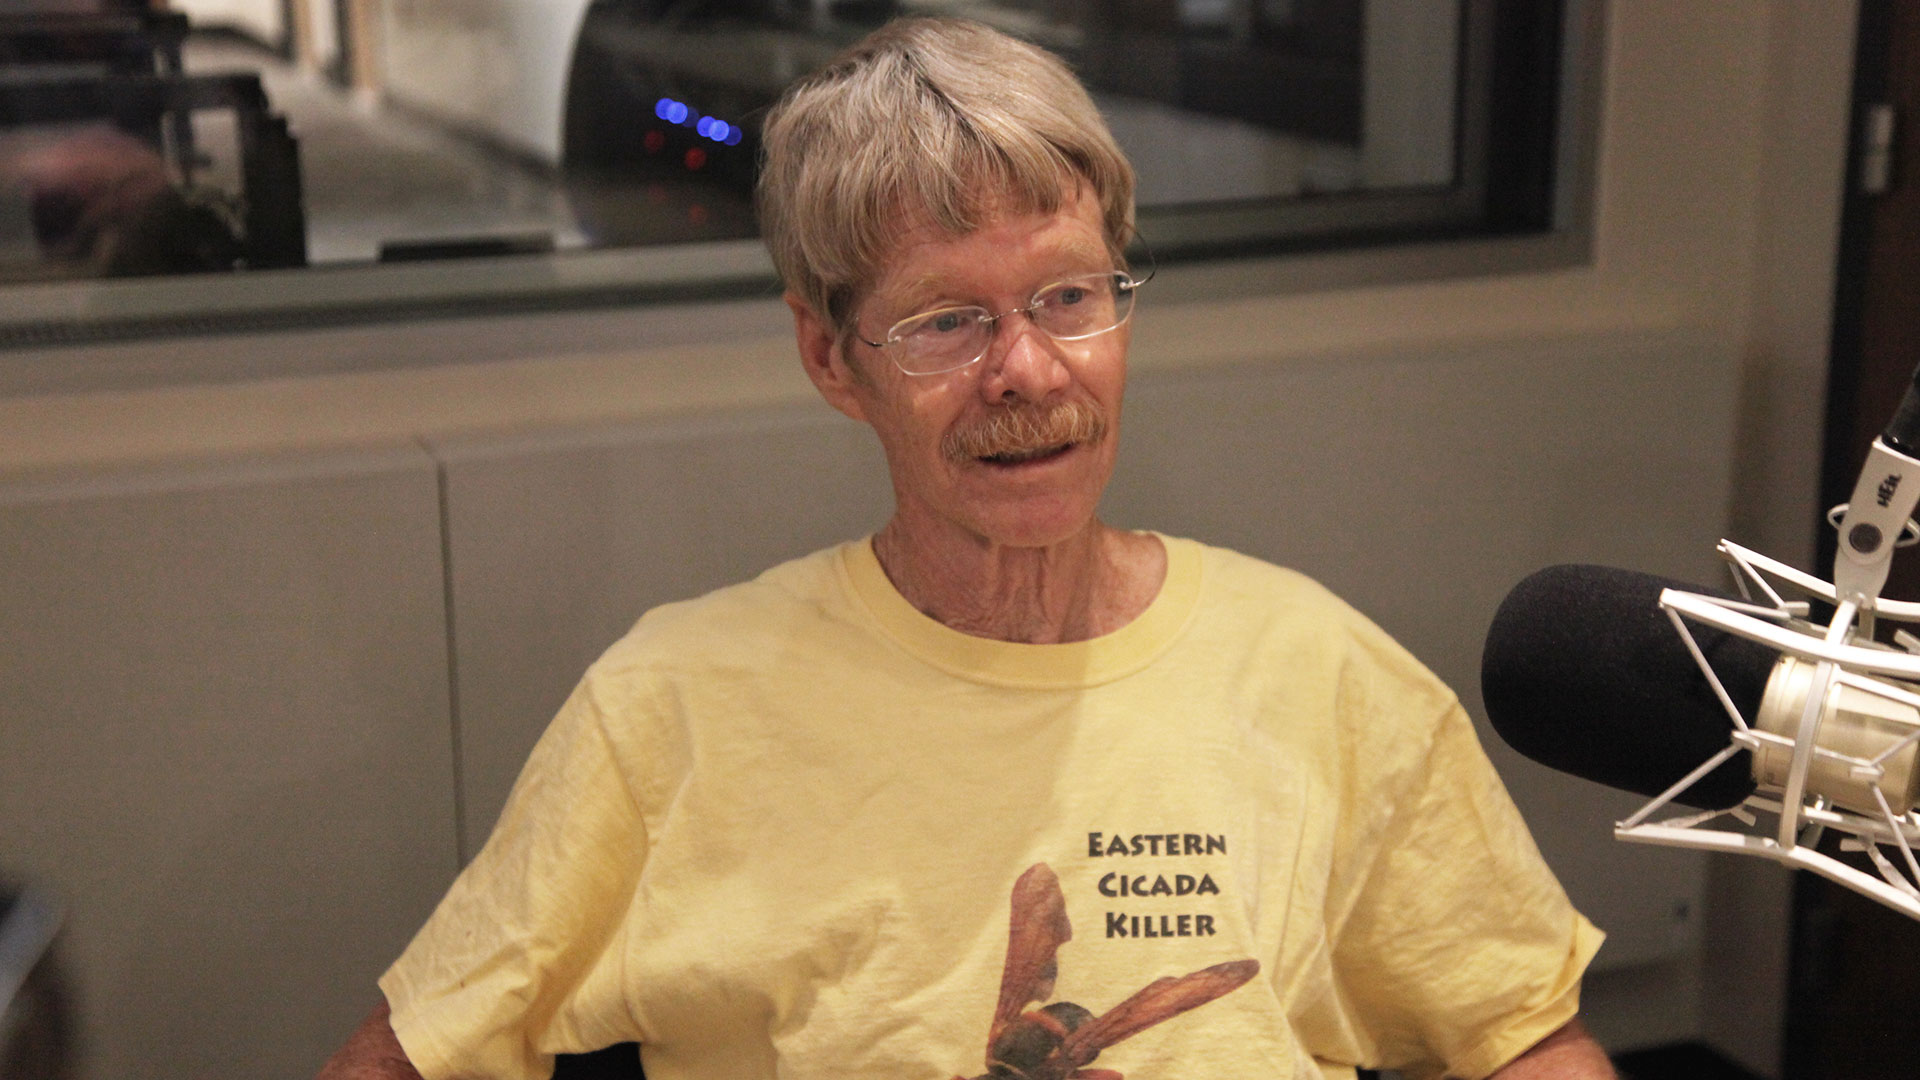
1022,362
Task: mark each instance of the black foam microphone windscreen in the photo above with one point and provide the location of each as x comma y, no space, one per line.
1583,672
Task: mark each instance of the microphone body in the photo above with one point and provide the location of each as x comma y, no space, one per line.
1583,672
1855,722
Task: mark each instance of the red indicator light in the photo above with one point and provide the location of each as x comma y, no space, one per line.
654,141
696,158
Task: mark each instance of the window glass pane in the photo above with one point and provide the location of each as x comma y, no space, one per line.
222,136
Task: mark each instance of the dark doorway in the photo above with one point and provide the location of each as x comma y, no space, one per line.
1847,1015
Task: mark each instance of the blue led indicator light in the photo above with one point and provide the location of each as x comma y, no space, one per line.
709,127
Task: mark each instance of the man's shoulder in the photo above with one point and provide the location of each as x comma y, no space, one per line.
801,596
1287,612
1236,579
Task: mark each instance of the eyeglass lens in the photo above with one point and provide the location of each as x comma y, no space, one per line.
951,338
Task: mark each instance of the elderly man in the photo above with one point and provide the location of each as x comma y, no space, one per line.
1002,789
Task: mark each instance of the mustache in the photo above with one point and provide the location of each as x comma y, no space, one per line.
1025,429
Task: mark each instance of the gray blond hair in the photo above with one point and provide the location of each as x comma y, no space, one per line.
930,120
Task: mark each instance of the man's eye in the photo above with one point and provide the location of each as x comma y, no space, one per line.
1070,295
946,322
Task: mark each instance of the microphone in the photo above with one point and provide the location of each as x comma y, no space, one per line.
1583,672
1738,705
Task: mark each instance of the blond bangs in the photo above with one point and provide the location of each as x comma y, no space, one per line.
925,122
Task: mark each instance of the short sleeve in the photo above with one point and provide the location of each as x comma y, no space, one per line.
522,958
1460,950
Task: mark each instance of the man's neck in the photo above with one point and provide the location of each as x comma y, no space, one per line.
1091,584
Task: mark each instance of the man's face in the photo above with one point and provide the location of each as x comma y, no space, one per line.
1015,448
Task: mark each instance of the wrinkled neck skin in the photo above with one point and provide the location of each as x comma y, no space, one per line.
1092,583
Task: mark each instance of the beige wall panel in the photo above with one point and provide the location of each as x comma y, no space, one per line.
559,543
224,741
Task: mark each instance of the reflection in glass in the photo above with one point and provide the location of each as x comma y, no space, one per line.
438,128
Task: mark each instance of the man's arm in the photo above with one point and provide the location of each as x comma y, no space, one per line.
373,1053
1567,1054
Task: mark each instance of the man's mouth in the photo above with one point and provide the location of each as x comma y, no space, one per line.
1024,457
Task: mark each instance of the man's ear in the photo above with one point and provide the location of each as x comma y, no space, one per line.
820,355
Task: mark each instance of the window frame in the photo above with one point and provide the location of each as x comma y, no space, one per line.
1525,138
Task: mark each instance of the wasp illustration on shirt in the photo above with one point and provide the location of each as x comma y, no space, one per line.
1057,1041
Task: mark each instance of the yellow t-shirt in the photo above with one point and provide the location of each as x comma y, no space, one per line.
776,832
